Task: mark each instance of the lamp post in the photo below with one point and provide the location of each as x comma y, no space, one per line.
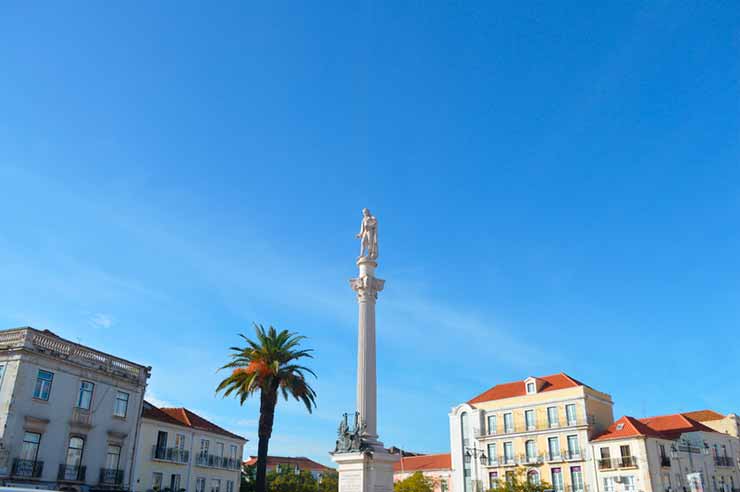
475,453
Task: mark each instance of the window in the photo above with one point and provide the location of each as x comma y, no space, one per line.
204,445
492,480
609,484
229,486
533,477
508,452
161,444
30,449
120,408
491,424
200,484
510,477
605,459
629,483
85,397
156,481
557,479
175,482
180,441
492,458
531,450
113,457
508,422
443,485
576,478
570,413
233,451
552,416
531,388
215,485
2,369
529,419
74,458
43,385
573,449
553,448
626,454
220,449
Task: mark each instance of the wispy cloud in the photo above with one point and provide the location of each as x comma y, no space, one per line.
101,320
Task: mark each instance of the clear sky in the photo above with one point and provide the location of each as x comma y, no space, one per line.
557,185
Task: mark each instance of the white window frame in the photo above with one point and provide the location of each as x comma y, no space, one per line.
568,419
200,484
492,429
41,383
531,412
116,409
84,391
508,457
531,387
509,428
553,423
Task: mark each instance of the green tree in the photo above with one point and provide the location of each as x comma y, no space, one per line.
329,482
516,481
415,483
288,480
249,475
268,365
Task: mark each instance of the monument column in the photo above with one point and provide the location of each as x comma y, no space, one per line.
363,462
367,287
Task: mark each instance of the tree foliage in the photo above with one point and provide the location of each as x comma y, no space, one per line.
414,483
329,482
289,481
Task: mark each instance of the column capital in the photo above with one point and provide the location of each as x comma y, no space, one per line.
367,287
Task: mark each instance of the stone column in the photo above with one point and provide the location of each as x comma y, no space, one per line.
367,287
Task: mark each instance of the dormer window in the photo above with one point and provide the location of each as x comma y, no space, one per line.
620,427
531,385
531,388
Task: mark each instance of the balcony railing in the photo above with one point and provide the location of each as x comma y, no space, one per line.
110,476
572,455
174,455
71,473
573,488
665,461
535,459
723,461
522,426
214,461
27,468
614,463
554,457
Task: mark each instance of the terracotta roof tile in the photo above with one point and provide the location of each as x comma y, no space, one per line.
185,418
423,463
302,462
517,388
662,426
704,415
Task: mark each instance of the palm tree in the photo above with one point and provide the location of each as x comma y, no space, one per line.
268,364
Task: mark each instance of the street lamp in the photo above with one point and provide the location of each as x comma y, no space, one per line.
478,455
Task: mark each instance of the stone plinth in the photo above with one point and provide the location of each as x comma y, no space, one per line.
365,472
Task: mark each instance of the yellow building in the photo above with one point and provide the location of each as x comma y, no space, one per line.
539,427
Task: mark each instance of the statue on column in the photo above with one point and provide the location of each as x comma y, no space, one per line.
368,235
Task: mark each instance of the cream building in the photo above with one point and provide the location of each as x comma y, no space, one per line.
69,414
539,427
665,454
180,451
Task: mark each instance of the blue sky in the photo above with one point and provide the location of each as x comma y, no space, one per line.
558,189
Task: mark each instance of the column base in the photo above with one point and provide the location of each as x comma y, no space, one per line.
370,471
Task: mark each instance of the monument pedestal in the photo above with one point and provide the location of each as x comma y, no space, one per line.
370,471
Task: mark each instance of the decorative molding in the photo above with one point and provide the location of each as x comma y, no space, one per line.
367,287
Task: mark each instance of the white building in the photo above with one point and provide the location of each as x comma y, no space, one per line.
180,451
68,414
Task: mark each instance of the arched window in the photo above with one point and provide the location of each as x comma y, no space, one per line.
533,477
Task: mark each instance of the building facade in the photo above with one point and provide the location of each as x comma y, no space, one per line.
667,453
436,467
537,429
296,464
69,414
179,451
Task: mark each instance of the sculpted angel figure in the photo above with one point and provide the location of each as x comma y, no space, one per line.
368,235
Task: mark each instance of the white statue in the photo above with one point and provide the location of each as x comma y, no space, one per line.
368,235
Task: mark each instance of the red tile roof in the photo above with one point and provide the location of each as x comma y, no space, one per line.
662,426
423,463
704,415
517,388
185,418
303,463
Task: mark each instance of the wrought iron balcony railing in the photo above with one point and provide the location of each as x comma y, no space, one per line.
723,461
519,426
214,461
27,468
554,457
174,455
613,463
665,461
110,476
572,454
71,473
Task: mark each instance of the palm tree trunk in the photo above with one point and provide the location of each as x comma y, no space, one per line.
268,399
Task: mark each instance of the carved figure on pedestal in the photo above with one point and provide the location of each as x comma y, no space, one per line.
368,235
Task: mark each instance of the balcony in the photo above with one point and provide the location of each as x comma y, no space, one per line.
81,417
213,461
27,468
615,463
111,477
606,464
627,462
173,455
521,426
572,455
71,473
508,461
554,457
723,461
536,459
665,461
